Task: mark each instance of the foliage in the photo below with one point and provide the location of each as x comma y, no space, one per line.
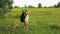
5,7
58,5
30,6
16,7
25,6
55,6
39,5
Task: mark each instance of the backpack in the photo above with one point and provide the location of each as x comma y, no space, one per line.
22,17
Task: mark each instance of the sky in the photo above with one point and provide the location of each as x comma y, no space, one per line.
22,3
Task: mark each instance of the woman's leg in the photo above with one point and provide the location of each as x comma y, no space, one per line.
25,26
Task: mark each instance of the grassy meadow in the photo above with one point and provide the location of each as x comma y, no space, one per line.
42,21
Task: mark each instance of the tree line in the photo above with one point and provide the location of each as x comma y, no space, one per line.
40,6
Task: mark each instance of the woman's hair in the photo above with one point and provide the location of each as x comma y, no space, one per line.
26,10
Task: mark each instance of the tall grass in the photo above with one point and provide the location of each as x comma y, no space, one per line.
42,21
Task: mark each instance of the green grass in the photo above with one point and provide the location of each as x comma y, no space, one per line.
42,21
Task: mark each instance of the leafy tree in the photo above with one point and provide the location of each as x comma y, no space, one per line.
16,7
58,5
55,6
39,5
31,6
25,6
5,7
45,7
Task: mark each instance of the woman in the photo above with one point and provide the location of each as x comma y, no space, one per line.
26,19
